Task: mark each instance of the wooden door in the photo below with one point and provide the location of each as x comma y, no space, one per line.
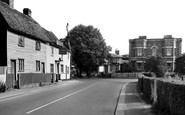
13,69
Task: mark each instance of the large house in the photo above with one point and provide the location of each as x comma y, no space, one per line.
141,48
26,47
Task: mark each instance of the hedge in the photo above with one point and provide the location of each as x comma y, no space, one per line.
165,95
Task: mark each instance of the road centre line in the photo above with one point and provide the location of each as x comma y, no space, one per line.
59,99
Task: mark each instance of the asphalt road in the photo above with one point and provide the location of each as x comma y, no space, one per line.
85,97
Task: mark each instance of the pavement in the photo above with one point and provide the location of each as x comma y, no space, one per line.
28,90
131,103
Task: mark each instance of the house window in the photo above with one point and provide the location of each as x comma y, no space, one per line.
62,68
154,51
52,51
139,66
68,70
37,65
139,52
37,45
21,41
52,68
168,51
21,65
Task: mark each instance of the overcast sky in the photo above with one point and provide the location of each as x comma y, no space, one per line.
118,20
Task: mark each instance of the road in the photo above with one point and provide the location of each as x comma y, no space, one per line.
84,97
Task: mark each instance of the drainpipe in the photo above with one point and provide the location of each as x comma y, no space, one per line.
173,58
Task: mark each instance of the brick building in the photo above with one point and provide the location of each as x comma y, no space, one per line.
141,48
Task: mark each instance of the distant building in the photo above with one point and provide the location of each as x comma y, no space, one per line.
141,48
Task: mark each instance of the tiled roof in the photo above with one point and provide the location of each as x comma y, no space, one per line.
115,55
22,23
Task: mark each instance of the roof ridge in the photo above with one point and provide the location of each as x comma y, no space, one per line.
19,22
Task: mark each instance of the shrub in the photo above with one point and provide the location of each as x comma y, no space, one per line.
2,87
157,65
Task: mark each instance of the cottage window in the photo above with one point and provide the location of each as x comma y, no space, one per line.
37,45
52,68
62,68
139,52
37,65
168,51
21,65
21,41
52,51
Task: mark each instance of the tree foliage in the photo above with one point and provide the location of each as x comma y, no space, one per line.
157,65
88,47
180,65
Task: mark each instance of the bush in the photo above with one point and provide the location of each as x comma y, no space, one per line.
2,87
157,65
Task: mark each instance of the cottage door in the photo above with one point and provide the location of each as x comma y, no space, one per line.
13,70
43,67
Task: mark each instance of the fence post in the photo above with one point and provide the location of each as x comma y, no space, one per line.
155,91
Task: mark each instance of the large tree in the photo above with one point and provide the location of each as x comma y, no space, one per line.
88,48
156,64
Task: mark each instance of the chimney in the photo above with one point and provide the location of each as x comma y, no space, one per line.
27,12
117,51
9,2
167,36
142,37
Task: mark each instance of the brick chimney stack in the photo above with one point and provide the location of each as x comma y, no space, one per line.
9,2
27,12
117,51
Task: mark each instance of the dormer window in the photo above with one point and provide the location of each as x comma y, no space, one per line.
21,41
37,45
52,51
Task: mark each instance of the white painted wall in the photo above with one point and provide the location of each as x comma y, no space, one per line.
51,57
28,53
66,63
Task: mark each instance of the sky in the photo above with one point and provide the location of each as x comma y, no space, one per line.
117,20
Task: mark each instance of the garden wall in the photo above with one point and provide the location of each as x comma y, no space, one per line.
165,95
10,81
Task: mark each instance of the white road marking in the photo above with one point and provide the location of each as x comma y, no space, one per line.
59,99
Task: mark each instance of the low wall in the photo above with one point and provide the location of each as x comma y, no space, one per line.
125,75
10,81
165,95
25,79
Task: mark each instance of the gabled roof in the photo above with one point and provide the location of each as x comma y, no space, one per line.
50,35
22,23
115,55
